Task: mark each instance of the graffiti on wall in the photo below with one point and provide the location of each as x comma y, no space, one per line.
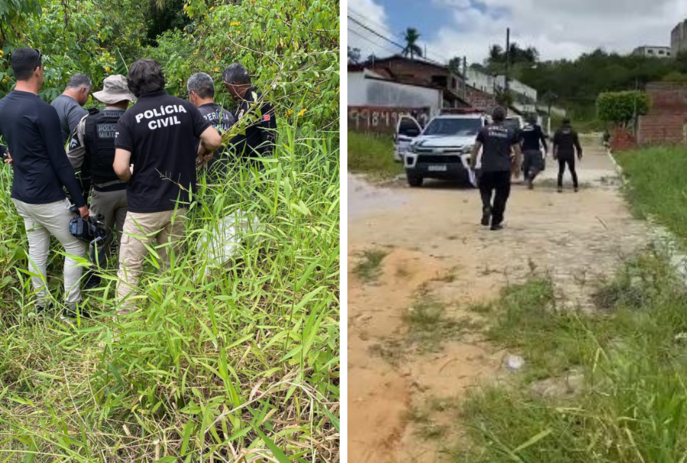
377,119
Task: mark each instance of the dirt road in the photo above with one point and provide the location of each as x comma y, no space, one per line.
436,249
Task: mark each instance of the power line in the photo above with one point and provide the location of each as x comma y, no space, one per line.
375,23
438,57
369,29
402,47
364,37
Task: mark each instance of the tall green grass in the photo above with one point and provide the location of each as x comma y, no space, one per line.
631,404
238,365
372,155
657,185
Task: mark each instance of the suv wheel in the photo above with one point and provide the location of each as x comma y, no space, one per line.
414,180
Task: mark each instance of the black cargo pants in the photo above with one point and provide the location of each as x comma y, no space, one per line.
494,188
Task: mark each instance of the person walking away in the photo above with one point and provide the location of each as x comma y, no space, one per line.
158,136
500,152
532,139
259,138
566,144
31,128
92,150
201,93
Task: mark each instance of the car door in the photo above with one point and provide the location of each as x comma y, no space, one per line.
407,129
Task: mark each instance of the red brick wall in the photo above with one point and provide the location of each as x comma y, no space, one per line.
376,120
666,122
414,72
480,100
622,139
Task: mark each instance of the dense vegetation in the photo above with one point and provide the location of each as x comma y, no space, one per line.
575,84
237,364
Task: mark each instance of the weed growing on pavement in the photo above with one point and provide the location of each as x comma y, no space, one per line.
428,326
631,406
241,364
369,268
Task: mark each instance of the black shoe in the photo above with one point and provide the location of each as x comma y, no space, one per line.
576,189
486,217
92,281
45,311
70,312
496,227
560,189
530,185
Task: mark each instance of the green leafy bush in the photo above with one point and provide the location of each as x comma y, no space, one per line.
290,47
621,107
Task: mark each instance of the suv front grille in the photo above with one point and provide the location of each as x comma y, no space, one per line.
438,159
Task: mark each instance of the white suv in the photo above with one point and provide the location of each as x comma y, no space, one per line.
443,149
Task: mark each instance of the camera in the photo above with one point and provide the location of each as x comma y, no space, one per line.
91,230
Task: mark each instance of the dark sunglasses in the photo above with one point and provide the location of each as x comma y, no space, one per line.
40,56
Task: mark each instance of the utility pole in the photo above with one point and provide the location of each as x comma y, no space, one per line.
507,76
465,77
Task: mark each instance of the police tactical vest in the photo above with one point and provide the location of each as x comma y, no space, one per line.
99,139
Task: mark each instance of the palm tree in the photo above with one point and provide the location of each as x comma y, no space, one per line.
495,53
411,38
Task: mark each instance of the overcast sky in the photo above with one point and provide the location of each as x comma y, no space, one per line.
557,28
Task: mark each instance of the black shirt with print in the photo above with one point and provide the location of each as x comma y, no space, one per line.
161,132
258,141
221,120
497,143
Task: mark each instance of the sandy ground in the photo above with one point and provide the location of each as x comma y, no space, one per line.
436,247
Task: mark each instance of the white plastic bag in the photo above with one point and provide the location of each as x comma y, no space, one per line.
221,243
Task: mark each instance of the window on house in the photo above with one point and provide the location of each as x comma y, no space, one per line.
651,52
661,52
454,83
441,81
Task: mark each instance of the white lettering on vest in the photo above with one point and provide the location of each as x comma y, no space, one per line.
139,117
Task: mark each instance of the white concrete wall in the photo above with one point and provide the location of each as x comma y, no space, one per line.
371,92
517,87
480,81
356,89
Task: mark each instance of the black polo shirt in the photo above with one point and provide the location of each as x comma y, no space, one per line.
161,132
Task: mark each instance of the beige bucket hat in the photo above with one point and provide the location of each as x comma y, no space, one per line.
115,89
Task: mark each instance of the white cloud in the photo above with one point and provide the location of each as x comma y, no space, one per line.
557,28
372,15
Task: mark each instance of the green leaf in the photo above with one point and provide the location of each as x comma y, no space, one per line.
276,451
120,64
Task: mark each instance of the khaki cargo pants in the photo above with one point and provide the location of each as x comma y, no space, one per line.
41,221
140,229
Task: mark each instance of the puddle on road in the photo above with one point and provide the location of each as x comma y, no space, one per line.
365,199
